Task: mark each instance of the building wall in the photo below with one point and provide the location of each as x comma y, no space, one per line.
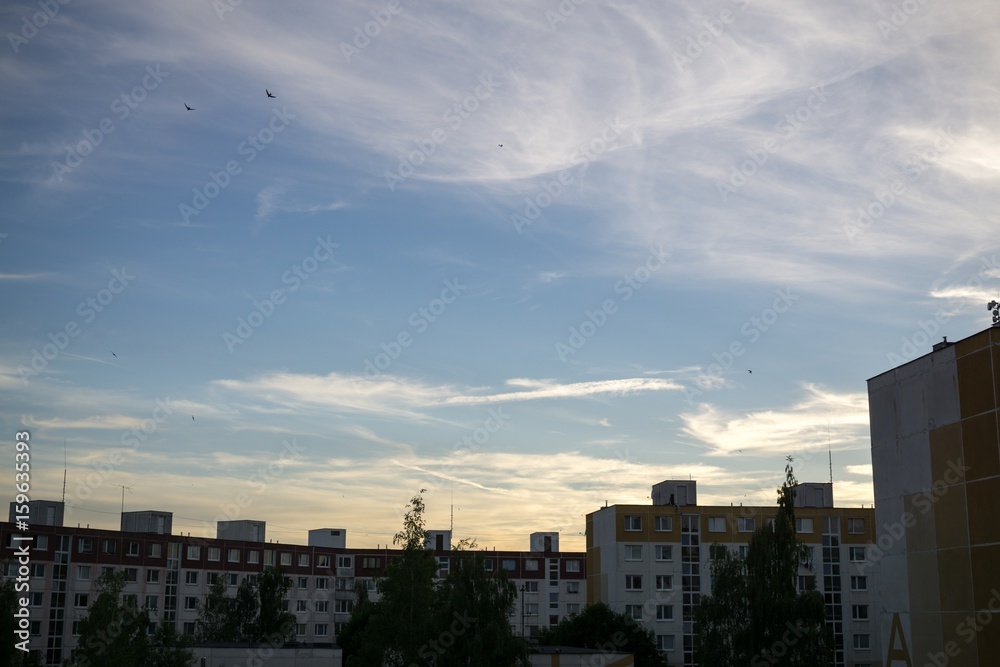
669,549
174,572
936,464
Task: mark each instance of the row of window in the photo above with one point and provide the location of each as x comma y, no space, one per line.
664,582
661,552
664,612
530,564
717,524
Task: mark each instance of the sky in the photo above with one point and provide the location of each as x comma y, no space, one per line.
530,257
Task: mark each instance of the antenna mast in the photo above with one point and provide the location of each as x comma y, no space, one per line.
123,487
64,471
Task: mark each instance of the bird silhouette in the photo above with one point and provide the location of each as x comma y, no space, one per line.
114,355
192,417
187,107
749,371
268,93
500,145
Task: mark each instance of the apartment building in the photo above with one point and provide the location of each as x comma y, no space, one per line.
653,563
936,470
172,574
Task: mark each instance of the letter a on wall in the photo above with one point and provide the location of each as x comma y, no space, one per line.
901,653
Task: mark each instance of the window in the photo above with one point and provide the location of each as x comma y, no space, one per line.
38,570
322,606
107,570
300,629
37,599
633,582
322,583
573,566
132,549
303,583
716,551
232,579
806,582
214,553
303,560
190,603
42,542
80,601
234,556
572,609
345,561
83,572
634,611
531,565
212,578
664,524
664,612
633,523
862,642
193,553
76,628
155,550
131,574
444,563
371,562
572,586
85,545
633,552
531,587
269,557
189,628
859,612
35,628
716,524
856,554
152,602
803,525
191,578
664,582
343,584
664,552
488,564
508,564
744,551
859,583
343,606
856,527
745,524
321,561
531,609
322,630
109,547
300,606
152,576
664,642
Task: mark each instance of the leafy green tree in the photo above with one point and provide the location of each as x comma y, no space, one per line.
353,637
254,615
168,648
754,614
472,617
600,628
272,622
215,616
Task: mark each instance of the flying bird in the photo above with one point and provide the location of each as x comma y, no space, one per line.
749,371
500,145
268,93
114,355
187,107
192,417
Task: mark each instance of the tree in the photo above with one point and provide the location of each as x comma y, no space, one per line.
114,630
168,648
254,615
472,615
273,623
600,628
754,612
215,617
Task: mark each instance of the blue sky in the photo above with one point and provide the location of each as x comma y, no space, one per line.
304,309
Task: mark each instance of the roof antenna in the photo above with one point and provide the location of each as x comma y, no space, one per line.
64,472
829,450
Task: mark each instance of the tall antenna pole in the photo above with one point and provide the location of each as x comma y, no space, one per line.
829,450
123,487
64,471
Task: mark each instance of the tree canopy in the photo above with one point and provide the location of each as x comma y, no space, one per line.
601,628
755,611
255,614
